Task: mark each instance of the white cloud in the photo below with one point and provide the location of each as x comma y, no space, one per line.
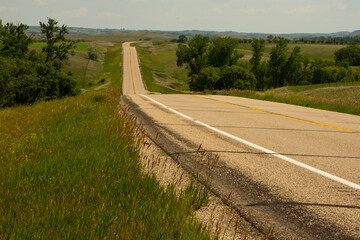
40,3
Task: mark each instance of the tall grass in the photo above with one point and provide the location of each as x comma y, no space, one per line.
112,64
69,169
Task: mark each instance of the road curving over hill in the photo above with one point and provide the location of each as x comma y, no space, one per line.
289,167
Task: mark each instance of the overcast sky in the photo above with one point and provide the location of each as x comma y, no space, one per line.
267,16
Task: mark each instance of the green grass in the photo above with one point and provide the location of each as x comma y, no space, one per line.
302,88
339,99
80,46
159,69
112,65
69,169
125,37
87,72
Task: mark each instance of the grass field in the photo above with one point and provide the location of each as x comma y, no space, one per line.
113,65
87,72
125,36
69,169
159,69
80,46
345,98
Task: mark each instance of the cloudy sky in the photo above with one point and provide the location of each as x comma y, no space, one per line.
267,16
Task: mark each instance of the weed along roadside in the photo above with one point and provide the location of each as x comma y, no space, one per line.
71,168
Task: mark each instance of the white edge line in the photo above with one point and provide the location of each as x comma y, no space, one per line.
290,160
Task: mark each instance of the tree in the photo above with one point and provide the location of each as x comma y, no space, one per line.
93,53
277,62
57,47
206,79
194,56
237,77
292,70
258,46
182,39
223,52
13,40
270,38
25,76
350,54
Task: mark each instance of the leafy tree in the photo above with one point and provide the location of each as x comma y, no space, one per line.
57,47
13,40
93,53
223,52
350,54
237,77
194,56
25,76
277,62
333,74
182,39
206,79
270,38
292,70
316,67
258,46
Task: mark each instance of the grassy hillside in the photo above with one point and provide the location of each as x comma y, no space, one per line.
80,46
343,98
159,69
88,72
70,169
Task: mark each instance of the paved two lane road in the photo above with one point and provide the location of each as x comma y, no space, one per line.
291,167
132,80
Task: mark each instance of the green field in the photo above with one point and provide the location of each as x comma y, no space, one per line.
125,37
159,69
343,98
80,46
87,72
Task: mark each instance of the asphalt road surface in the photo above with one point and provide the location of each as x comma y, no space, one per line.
132,80
293,168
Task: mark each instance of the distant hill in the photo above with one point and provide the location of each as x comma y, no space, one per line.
355,33
35,30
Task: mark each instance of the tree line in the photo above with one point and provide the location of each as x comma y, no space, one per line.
214,65
28,76
311,40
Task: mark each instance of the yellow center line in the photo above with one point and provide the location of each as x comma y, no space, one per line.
283,116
